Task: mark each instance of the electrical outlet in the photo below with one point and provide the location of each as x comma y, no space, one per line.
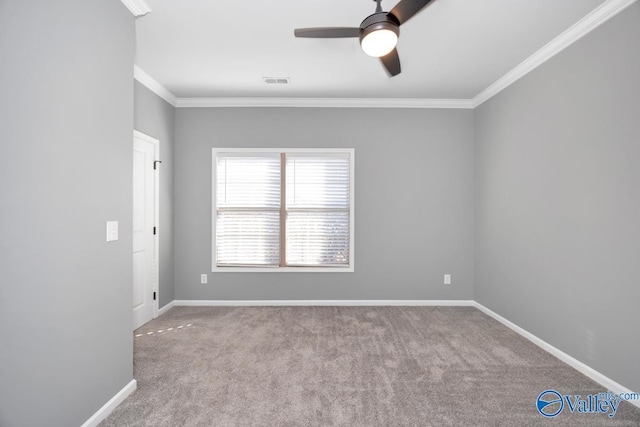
112,231
447,279
203,278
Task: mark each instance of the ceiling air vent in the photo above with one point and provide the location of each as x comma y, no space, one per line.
276,80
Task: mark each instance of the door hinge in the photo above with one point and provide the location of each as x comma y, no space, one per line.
155,163
154,231
154,295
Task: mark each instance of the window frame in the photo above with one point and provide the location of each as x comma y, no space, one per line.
288,269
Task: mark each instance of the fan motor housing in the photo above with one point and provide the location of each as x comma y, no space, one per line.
379,21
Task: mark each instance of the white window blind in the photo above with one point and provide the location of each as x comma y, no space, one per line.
248,210
284,209
317,206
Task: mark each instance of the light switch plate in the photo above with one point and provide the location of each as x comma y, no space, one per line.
447,279
112,231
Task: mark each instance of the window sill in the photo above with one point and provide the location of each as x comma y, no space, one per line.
348,269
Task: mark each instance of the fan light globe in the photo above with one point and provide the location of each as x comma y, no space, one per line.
379,42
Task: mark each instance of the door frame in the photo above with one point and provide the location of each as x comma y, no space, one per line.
155,265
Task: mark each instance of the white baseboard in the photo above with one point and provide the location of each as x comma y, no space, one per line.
598,377
108,407
166,308
321,303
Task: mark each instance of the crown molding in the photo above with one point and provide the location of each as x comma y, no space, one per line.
239,102
137,7
153,85
590,22
324,102
593,20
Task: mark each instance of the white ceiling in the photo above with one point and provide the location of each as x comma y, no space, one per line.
453,49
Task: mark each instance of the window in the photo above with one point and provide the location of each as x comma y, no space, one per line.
283,210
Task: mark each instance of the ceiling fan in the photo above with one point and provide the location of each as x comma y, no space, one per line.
378,33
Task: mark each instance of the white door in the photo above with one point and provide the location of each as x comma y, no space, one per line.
145,264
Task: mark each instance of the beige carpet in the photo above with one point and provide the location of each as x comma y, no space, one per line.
345,366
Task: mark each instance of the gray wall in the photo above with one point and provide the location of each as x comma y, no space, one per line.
65,132
558,200
413,200
155,117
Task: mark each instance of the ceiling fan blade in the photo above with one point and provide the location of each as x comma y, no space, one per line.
407,8
327,32
391,62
